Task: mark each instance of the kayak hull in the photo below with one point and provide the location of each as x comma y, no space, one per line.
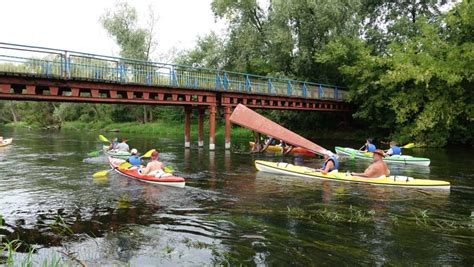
398,159
174,181
6,142
115,154
295,150
394,181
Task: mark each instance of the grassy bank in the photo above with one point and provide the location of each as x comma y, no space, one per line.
169,128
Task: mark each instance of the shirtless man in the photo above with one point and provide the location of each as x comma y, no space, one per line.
154,164
377,169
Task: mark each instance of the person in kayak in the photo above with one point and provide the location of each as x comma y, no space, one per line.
123,146
114,143
377,169
393,150
134,159
154,165
369,145
330,163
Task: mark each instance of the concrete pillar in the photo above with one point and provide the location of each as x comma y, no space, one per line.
227,112
201,128
212,127
187,127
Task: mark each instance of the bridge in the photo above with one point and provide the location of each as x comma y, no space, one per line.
31,73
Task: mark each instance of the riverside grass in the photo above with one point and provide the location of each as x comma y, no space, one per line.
162,128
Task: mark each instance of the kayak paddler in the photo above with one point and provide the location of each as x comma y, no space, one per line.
393,150
377,169
369,145
154,165
330,163
134,159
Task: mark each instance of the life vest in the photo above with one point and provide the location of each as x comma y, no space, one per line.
371,148
396,150
134,160
334,160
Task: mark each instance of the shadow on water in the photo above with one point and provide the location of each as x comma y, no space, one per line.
228,213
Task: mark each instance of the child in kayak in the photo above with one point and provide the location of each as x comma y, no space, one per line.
330,163
377,169
134,159
393,150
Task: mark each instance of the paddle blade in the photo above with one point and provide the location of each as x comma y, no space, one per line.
168,169
93,154
100,173
148,153
125,165
103,138
408,146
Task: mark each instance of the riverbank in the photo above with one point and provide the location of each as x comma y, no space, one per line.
171,128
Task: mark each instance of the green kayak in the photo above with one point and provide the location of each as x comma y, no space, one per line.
115,153
399,159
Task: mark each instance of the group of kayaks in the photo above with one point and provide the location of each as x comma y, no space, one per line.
118,162
394,180
246,117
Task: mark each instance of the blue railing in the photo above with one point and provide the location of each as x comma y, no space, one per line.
71,65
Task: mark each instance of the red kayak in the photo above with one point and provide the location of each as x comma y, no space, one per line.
133,172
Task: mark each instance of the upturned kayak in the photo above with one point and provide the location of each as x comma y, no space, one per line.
397,180
399,159
6,142
134,173
295,150
115,153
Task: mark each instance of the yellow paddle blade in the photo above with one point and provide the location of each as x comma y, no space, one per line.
408,146
124,165
100,173
168,169
103,138
370,154
148,153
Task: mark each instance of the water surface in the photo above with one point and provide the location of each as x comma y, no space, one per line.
228,213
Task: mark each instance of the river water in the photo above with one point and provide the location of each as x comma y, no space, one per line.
228,213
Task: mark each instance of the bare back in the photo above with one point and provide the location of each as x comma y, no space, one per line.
153,165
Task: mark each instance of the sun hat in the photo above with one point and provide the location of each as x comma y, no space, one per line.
155,154
380,152
134,151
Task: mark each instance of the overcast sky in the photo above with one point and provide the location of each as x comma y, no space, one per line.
74,25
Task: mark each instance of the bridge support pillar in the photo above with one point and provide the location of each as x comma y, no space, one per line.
187,127
212,127
227,112
201,128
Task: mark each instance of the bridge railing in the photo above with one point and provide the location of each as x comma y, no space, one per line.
71,65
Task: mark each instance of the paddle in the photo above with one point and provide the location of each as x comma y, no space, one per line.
409,145
93,153
104,139
122,165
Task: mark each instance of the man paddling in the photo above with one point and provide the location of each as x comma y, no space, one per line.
377,169
123,146
154,165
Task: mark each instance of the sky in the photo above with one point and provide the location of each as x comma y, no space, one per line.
75,25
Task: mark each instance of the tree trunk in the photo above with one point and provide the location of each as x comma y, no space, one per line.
14,116
145,113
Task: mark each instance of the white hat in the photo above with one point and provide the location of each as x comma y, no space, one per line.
134,151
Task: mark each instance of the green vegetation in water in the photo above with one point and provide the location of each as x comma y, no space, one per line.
353,215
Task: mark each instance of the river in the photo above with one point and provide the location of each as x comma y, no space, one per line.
228,213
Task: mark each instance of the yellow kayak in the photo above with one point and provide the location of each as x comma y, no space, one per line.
397,180
6,142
